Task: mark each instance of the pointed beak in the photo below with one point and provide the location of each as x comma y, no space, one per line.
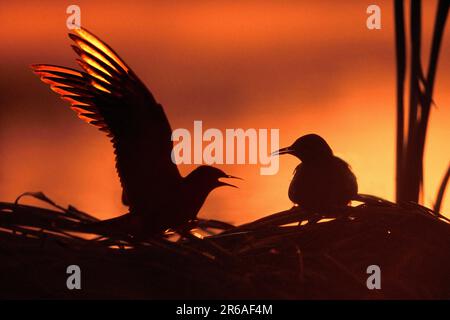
229,184
282,151
233,177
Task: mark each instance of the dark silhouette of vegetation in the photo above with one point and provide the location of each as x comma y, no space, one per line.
411,145
440,196
289,255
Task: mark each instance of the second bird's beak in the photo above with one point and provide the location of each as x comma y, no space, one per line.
282,151
229,184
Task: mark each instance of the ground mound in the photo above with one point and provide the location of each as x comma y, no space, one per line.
288,255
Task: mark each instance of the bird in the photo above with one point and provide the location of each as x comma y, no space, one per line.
321,181
107,94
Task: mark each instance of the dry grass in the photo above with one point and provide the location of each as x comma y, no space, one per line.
288,255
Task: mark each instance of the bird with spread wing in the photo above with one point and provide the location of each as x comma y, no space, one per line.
109,95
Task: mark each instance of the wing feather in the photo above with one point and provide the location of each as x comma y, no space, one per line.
108,95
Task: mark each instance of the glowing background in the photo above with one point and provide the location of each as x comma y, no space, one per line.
299,66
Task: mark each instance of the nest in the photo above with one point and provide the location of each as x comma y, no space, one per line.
288,255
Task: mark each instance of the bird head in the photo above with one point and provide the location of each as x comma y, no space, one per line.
310,147
209,177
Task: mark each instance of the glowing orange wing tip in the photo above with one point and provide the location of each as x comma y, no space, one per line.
96,42
59,90
79,109
91,71
92,50
42,68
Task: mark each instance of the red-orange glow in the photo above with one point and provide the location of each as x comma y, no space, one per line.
300,66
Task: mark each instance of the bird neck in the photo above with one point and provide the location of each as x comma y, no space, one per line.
196,191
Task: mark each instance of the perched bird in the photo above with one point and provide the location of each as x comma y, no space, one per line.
109,95
322,181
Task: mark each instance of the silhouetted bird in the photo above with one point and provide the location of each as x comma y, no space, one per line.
109,95
322,181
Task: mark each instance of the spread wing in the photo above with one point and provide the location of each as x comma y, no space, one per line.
108,95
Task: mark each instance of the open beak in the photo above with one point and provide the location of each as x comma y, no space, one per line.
282,151
229,184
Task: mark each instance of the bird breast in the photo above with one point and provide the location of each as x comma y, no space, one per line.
323,184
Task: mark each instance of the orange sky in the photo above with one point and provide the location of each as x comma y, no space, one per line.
300,66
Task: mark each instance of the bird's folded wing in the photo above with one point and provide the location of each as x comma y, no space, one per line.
108,95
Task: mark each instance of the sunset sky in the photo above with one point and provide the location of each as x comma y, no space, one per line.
298,66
